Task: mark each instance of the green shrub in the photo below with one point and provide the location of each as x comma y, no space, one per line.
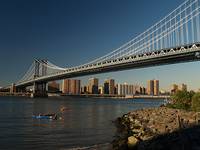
182,100
196,102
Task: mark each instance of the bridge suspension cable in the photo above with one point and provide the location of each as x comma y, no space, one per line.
179,27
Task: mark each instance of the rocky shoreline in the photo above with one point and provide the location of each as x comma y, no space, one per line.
158,128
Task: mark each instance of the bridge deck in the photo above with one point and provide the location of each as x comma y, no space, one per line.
168,56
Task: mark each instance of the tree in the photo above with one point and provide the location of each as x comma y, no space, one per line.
182,99
196,102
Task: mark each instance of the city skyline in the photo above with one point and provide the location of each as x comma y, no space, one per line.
178,73
154,87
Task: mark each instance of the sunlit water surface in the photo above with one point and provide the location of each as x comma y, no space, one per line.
87,121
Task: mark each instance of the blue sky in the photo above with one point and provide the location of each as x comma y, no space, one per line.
72,32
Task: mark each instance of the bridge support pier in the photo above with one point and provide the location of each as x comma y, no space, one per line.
39,90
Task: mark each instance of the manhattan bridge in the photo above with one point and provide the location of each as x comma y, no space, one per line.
174,39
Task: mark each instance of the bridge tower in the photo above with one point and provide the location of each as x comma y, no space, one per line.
40,69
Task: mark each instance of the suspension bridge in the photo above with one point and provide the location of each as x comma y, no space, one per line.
173,39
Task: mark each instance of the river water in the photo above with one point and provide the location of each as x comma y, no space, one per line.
87,122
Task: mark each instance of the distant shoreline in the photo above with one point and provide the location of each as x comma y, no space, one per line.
122,97
90,96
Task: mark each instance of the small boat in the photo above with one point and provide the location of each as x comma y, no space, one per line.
47,116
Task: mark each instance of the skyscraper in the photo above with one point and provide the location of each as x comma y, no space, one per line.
65,86
100,90
119,89
106,87
71,86
142,90
156,87
93,86
128,89
153,87
76,87
111,86
150,87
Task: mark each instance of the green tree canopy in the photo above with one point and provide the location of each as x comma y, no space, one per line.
182,99
196,102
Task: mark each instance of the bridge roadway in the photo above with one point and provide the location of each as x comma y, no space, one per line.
180,54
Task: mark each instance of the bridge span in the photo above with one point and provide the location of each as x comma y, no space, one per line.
181,54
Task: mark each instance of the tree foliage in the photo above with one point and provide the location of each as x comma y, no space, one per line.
196,102
182,99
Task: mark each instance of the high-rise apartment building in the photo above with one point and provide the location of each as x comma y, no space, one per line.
66,86
126,89
142,90
150,87
106,87
119,89
77,87
101,90
153,87
71,86
156,87
109,86
93,86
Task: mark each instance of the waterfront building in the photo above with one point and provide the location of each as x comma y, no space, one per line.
106,87
87,89
66,86
116,89
77,87
123,89
109,86
150,87
119,89
156,87
130,90
53,86
93,86
142,90
153,87
84,90
71,86
126,89
164,92
136,89
101,90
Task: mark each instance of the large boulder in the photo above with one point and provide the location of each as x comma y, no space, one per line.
132,141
